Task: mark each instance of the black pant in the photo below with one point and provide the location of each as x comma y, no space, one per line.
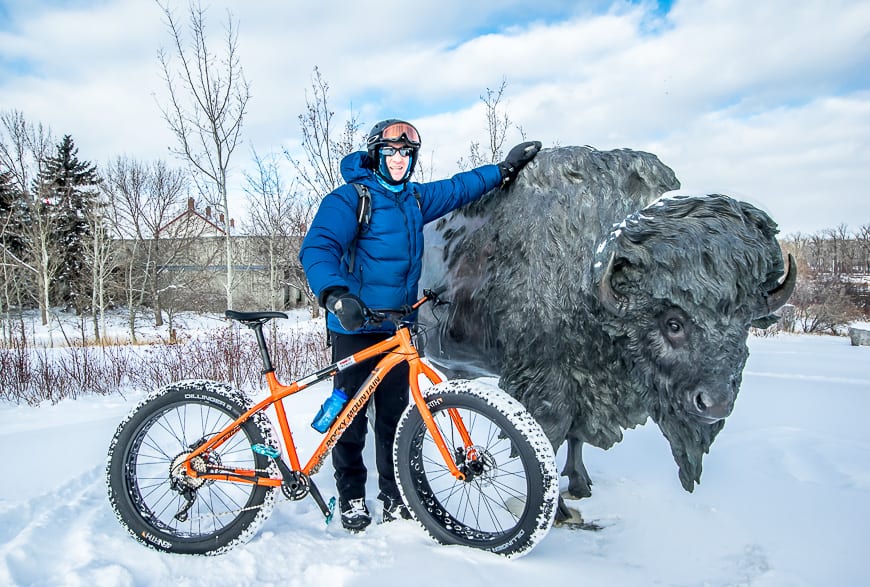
391,399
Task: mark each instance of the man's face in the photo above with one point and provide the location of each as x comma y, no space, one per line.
397,163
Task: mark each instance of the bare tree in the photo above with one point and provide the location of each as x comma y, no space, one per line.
12,268
324,146
821,304
279,217
832,287
836,240
42,228
23,153
324,142
25,148
207,102
862,238
498,123
271,219
127,186
100,259
143,198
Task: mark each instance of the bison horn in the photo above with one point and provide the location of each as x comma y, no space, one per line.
613,303
778,296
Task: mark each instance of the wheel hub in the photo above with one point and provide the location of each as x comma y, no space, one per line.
476,463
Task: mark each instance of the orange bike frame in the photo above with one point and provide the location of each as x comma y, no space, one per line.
396,349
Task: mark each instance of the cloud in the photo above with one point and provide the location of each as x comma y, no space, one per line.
803,164
766,99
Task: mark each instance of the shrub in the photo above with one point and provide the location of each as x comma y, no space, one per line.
228,354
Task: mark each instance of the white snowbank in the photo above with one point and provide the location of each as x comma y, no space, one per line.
784,500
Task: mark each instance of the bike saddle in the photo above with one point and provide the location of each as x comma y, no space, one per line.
253,316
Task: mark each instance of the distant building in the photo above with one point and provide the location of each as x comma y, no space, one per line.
191,266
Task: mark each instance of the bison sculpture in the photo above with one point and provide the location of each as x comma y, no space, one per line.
598,303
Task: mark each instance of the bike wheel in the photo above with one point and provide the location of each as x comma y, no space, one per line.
148,490
508,501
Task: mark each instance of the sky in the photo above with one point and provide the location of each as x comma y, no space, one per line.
768,102
783,501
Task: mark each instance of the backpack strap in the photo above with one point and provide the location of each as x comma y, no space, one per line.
364,207
363,219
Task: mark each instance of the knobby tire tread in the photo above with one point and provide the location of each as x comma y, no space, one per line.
511,506
128,494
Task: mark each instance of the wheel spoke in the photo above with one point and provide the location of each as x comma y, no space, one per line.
169,435
509,481
481,503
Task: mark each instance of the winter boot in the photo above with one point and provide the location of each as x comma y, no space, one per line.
395,509
355,515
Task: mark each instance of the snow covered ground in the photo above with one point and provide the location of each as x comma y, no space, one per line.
784,500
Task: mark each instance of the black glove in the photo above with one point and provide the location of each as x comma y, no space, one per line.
517,159
348,308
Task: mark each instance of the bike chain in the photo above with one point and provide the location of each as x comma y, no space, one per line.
214,469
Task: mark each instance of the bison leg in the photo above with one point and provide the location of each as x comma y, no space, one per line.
579,482
579,486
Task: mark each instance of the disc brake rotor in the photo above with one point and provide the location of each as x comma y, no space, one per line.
479,465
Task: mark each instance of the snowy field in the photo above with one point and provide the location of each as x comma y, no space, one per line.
784,500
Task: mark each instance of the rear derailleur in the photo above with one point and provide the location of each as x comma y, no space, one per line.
184,484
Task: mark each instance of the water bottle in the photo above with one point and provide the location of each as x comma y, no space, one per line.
329,410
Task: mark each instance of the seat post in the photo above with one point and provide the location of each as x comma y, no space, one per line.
261,342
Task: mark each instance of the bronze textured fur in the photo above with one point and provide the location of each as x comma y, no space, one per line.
599,304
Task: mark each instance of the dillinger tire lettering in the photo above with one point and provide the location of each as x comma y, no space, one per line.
157,502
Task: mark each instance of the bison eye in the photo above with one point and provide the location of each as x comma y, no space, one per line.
675,327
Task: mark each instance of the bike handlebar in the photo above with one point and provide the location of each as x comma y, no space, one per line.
397,316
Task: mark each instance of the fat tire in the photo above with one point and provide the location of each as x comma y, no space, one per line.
189,410
521,468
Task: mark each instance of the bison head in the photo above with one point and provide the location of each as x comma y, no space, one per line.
681,282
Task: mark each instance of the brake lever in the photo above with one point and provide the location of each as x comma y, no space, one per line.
374,316
435,298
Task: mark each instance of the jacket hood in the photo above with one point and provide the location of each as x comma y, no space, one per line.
354,168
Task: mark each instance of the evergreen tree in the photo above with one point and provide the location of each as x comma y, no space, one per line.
12,245
68,187
10,216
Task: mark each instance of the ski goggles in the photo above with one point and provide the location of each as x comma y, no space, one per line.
401,132
403,151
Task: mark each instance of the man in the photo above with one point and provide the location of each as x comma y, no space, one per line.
353,263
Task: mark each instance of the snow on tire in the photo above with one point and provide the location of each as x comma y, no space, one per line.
508,501
157,433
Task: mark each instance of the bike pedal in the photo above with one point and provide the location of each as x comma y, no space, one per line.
266,451
331,507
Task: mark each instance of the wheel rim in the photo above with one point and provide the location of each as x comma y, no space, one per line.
494,501
158,445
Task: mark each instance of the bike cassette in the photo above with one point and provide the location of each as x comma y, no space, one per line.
178,474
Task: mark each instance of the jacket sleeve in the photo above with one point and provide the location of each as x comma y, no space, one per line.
331,232
440,197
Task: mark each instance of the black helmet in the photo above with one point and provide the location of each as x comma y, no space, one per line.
392,131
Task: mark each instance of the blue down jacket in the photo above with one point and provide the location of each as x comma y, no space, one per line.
389,250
